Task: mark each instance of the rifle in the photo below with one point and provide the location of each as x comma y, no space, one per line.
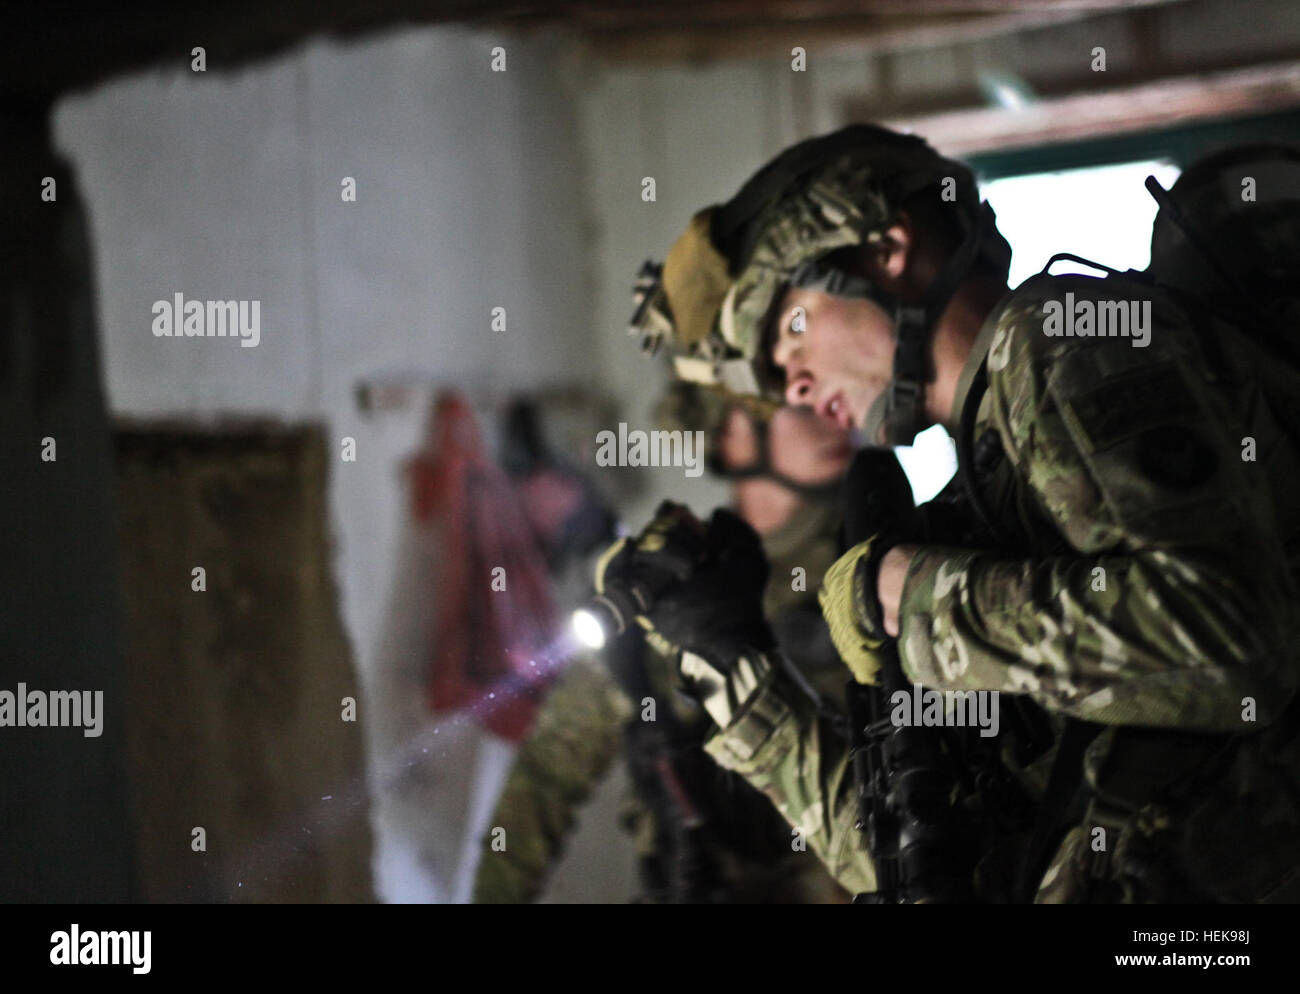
920,841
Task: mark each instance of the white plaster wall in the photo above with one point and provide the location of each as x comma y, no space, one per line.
226,185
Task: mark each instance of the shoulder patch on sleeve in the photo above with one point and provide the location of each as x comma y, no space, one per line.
1103,411
1148,441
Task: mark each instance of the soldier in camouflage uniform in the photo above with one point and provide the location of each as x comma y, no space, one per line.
701,834
1127,571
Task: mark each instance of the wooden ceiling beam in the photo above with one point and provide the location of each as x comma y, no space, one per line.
1080,116
56,45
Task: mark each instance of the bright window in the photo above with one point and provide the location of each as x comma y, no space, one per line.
929,462
1103,213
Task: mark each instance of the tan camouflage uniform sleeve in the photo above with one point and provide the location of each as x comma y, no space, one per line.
1168,599
779,742
575,738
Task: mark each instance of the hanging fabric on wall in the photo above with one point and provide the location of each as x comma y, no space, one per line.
494,616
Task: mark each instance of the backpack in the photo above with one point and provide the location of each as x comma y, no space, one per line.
1226,239
1228,233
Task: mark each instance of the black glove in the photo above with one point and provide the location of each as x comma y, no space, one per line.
718,612
701,587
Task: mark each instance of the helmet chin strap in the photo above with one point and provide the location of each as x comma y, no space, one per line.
898,414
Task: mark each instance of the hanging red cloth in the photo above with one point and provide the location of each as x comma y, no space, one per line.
494,615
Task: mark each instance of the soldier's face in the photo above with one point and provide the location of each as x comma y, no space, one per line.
806,448
837,354
801,446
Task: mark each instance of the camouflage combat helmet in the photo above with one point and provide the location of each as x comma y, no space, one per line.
715,295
